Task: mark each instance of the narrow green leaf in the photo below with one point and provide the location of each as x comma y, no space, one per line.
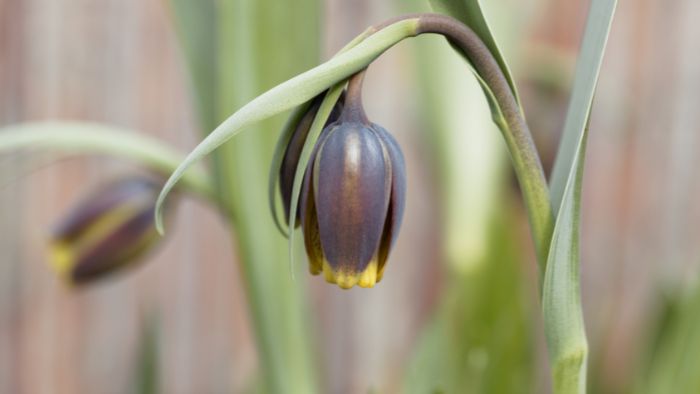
470,13
147,367
324,111
561,295
197,33
292,93
246,46
73,138
586,77
278,156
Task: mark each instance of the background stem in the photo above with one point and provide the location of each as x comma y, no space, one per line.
64,138
248,59
245,56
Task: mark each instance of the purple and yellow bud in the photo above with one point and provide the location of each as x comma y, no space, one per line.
352,203
110,230
352,198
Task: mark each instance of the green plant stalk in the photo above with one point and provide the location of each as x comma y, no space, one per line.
471,14
561,294
671,359
279,317
467,346
509,118
561,299
233,50
146,372
452,102
85,138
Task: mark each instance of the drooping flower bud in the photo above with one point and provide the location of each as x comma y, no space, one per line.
108,231
353,198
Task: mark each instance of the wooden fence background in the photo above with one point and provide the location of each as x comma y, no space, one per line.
118,61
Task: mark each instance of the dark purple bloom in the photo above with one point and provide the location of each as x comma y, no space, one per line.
352,203
353,193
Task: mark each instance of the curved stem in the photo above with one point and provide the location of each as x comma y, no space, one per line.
526,161
510,120
73,138
353,110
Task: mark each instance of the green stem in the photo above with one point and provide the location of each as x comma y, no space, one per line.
84,138
526,160
276,303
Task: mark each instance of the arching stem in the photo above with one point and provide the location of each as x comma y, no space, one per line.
353,110
509,118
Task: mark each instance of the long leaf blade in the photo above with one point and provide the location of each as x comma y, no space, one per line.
277,157
83,138
324,112
586,77
561,295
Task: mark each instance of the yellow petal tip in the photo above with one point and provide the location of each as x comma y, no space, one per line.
61,258
346,280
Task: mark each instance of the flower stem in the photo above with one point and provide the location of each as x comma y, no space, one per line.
353,110
510,120
69,138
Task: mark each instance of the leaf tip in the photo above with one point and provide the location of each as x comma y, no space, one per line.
158,218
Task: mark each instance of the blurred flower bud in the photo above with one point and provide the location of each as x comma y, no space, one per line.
352,199
294,148
111,229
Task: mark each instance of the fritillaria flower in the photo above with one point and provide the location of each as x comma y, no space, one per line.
353,197
109,230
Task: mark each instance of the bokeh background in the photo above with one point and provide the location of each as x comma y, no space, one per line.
459,300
